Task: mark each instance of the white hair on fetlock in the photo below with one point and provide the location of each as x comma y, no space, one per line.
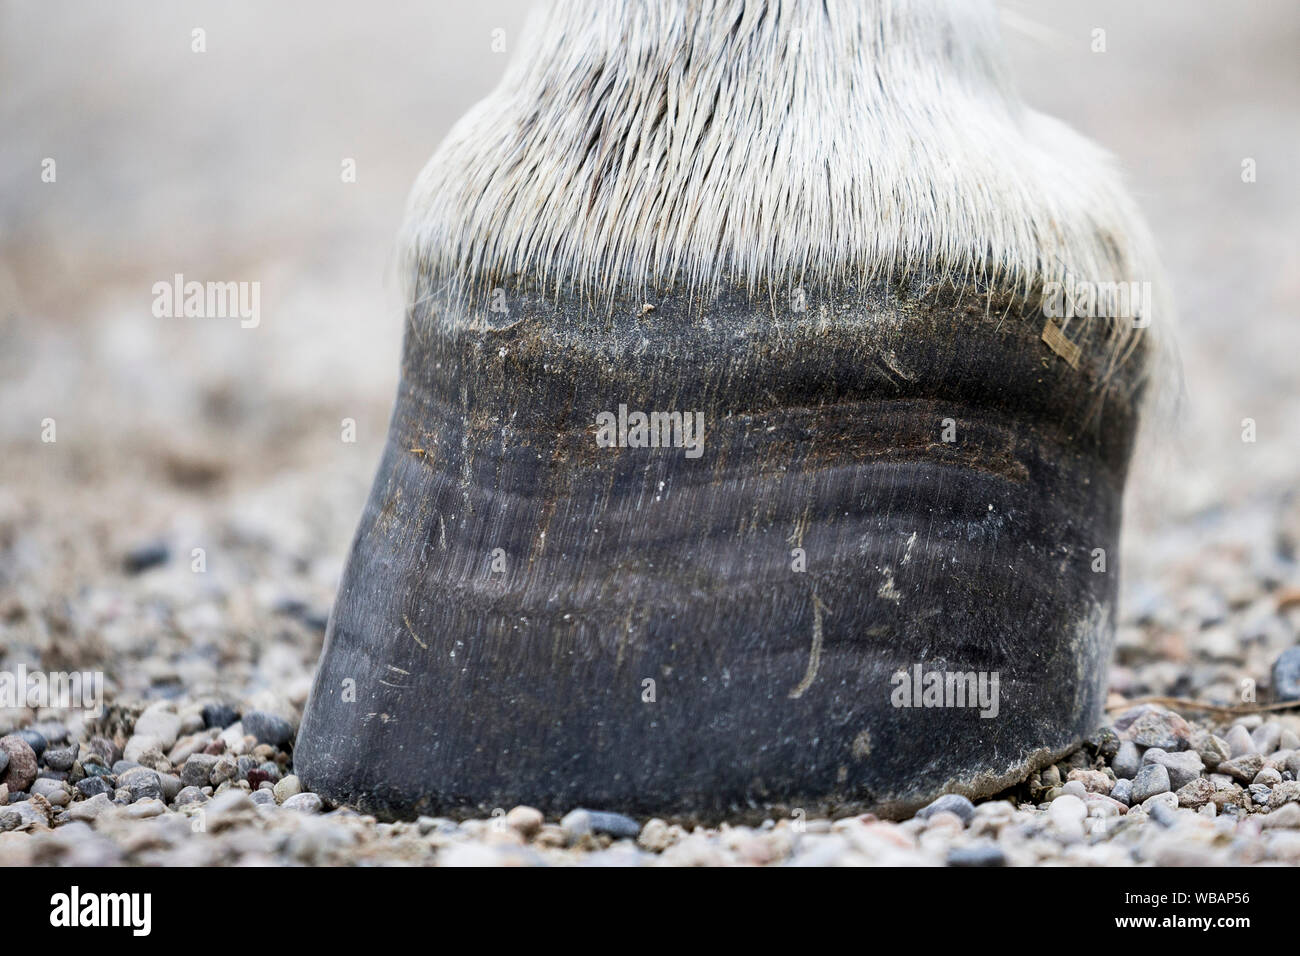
639,146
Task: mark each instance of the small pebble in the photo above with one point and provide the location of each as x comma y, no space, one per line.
188,795
145,556
1266,737
55,791
1151,780
92,786
1183,767
198,770
983,854
304,803
1286,816
219,716
1128,760
35,740
949,803
1268,777
527,820
21,768
62,758
268,728
148,807
1195,793
1092,781
1239,741
1212,750
1286,675
142,784
289,786
91,809
1285,792
1160,728
1243,768
579,823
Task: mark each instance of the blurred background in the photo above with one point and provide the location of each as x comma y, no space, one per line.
195,440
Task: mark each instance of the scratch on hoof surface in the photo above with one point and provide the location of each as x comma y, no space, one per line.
907,552
814,654
861,747
410,630
887,590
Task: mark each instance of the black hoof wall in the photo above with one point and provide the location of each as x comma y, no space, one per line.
888,574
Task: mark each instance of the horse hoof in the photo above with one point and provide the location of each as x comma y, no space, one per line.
880,567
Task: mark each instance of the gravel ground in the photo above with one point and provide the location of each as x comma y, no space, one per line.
184,535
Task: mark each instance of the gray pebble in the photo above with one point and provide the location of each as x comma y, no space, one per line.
219,716
268,728
983,854
35,740
62,758
188,795
142,784
1106,742
1266,737
90,809
1239,741
1212,749
224,769
949,803
1074,787
92,786
1286,675
197,770
1151,780
1128,760
146,556
171,785
579,823
1183,767
108,752
56,792
158,724
1162,813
